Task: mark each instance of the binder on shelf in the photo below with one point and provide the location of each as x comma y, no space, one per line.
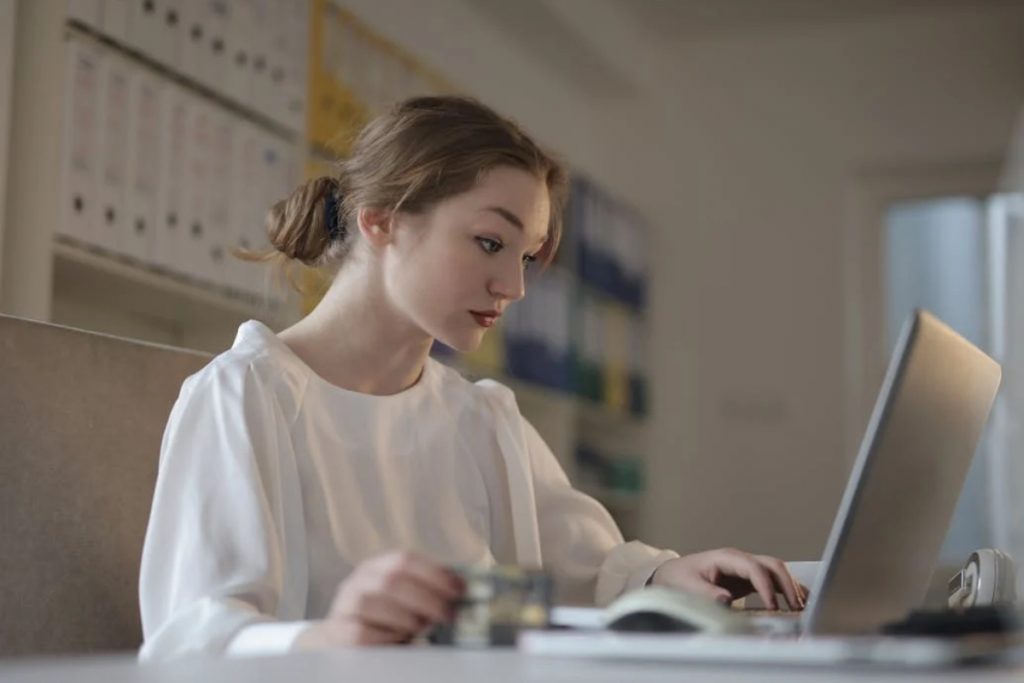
537,334
114,19
115,75
80,144
151,25
590,349
145,128
637,368
218,20
262,14
247,209
589,215
443,353
192,40
296,66
618,245
274,83
489,358
633,251
139,13
268,73
288,177
196,190
169,44
170,226
216,265
173,29
591,468
88,12
553,328
616,361
609,244
275,181
603,247
245,31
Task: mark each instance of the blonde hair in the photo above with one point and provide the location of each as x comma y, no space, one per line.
421,152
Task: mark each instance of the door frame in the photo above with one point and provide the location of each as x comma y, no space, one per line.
872,190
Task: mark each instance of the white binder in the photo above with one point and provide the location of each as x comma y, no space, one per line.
271,186
282,44
87,12
169,43
114,19
241,38
248,208
272,81
263,14
216,264
113,152
207,61
296,66
80,144
148,29
170,225
193,35
143,187
196,190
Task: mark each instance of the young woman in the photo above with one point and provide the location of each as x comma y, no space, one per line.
315,484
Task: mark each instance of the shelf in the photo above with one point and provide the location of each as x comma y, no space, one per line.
136,288
76,28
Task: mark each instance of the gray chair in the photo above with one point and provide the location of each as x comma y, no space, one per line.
81,419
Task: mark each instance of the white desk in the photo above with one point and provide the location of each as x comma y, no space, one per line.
430,665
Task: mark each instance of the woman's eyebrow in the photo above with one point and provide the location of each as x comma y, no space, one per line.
507,215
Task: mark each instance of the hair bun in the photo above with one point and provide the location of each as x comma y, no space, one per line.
298,226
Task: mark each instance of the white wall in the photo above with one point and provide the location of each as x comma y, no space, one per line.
780,128
743,149
7,17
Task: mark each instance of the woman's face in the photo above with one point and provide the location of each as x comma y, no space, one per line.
455,268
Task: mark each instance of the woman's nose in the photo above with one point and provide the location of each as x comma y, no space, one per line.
510,285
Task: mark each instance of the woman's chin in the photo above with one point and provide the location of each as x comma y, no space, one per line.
463,343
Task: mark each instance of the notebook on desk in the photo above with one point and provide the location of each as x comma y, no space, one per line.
891,521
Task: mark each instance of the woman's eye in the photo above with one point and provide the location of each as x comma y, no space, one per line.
489,245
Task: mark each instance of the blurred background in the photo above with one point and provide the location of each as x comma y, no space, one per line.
762,191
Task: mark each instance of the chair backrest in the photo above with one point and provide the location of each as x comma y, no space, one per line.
81,420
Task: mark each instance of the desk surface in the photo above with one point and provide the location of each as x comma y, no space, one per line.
429,665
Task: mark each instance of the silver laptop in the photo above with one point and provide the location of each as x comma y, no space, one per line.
900,498
897,507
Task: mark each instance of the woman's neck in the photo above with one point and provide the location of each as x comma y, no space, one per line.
356,340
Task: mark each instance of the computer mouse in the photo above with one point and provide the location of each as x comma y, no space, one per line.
664,610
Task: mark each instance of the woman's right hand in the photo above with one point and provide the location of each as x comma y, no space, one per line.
389,599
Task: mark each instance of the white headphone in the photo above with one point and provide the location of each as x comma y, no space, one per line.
988,578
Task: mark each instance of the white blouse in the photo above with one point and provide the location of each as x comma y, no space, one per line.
274,484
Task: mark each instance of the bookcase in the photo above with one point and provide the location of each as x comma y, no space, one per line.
150,137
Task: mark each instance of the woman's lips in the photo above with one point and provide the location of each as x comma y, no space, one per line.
484,319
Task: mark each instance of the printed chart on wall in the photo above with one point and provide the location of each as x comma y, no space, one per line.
354,74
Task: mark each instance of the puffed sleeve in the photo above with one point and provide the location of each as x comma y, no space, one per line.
581,545
224,560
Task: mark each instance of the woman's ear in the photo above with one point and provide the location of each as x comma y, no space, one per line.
375,225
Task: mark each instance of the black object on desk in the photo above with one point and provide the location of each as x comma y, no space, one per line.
952,623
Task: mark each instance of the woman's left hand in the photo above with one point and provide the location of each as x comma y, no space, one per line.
729,574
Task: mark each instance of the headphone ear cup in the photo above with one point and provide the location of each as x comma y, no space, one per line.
988,577
971,571
1006,586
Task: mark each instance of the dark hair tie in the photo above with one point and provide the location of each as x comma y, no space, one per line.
334,225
